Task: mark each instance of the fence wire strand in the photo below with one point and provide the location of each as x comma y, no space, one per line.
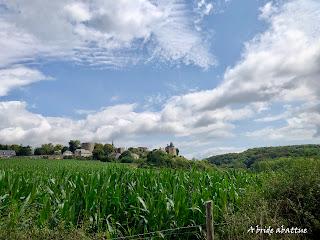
163,232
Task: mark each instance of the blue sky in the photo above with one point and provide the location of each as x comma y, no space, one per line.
212,76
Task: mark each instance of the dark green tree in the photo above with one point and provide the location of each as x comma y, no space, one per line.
108,149
73,145
24,151
58,147
65,148
126,157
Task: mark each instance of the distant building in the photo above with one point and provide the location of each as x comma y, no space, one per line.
143,149
82,153
88,146
58,152
117,155
171,149
135,156
67,153
7,153
120,150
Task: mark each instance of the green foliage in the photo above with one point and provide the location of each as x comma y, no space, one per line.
73,145
126,157
58,147
45,149
103,152
98,154
108,149
159,158
294,188
48,149
112,199
65,148
19,149
247,158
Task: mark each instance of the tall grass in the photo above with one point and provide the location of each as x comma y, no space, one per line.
113,199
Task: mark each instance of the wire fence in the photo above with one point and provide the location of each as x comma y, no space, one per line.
168,232
198,229
161,233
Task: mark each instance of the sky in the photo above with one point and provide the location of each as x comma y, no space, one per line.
211,76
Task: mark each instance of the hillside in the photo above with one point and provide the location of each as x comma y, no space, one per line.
250,156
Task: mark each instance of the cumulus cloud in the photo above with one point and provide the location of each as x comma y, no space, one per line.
278,67
20,125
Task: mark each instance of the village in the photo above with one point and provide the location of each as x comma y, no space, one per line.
86,150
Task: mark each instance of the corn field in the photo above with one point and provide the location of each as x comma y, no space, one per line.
113,199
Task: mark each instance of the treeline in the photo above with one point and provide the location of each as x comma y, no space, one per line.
247,158
19,149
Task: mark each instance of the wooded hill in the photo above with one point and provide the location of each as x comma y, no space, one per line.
247,158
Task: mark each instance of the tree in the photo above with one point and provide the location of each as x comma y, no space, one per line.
98,152
65,148
25,151
58,147
38,151
159,158
73,145
108,149
126,157
45,149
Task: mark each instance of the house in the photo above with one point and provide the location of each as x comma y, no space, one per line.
7,153
67,153
82,153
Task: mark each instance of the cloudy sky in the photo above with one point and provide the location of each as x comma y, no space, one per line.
212,76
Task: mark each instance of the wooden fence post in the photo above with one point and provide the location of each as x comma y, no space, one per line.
209,220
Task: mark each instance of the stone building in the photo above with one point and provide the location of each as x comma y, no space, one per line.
7,153
120,150
82,153
67,153
135,156
171,149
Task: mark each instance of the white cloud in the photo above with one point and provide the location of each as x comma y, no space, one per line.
99,32
279,66
18,76
205,7
17,124
78,11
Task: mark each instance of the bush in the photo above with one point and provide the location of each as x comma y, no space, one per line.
126,157
294,189
159,158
